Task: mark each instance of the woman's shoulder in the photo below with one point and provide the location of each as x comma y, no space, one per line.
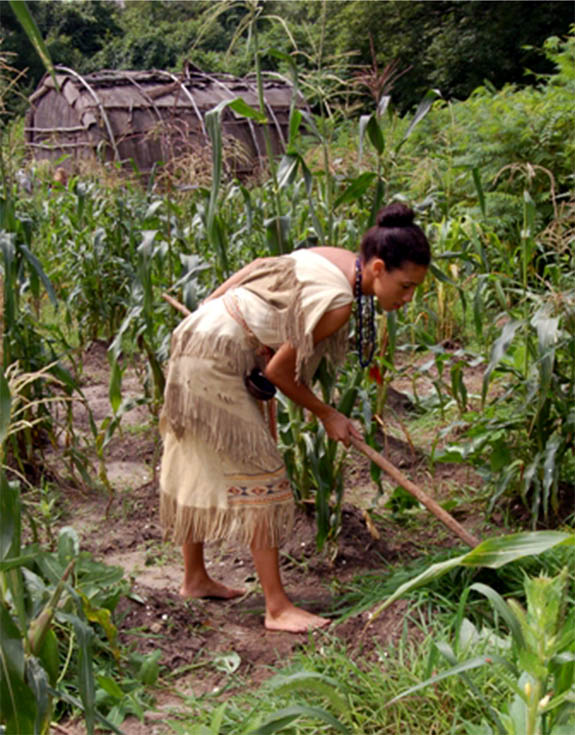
337,260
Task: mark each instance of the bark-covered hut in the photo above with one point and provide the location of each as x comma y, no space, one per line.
141,118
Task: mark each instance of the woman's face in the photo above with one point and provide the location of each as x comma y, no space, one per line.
393,289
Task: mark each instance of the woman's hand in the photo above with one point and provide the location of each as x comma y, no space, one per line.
340,427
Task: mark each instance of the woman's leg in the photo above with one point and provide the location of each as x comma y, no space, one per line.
197,582
281,613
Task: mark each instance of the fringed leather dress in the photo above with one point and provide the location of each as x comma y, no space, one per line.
222,476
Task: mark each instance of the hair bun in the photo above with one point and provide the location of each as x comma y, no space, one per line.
395,215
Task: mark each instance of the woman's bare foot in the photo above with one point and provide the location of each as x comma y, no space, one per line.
209,588
292,619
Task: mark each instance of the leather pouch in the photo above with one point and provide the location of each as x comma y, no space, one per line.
259,386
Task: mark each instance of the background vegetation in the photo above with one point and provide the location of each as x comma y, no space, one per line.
455,46
489,169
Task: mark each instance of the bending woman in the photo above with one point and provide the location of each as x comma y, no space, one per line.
222,476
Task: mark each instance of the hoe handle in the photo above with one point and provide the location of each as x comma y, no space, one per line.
176,304
447,519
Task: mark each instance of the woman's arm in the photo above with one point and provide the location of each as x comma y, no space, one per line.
281,371
233,280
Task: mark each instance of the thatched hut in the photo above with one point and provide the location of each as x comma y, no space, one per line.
142,118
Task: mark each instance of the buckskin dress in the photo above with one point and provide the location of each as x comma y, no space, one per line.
222,476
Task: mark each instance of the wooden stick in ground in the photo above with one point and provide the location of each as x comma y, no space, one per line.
447,519
176,304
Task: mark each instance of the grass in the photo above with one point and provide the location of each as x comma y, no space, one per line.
366,675
366,678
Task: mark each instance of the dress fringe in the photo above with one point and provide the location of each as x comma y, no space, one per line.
266,526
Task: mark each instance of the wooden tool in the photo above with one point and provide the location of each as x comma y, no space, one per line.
176,304
447,519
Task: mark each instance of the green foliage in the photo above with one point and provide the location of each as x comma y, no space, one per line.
54,607
450,45
315,463
538,668
522,438
493,553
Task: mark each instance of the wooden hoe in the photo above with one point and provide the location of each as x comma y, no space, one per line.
447,519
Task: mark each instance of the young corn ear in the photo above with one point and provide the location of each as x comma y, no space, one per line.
40,626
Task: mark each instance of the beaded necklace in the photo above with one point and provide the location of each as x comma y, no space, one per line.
364,312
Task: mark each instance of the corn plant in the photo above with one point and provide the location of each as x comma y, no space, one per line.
522,440
537,669
314,462
37,602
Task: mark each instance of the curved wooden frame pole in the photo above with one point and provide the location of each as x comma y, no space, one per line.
441,514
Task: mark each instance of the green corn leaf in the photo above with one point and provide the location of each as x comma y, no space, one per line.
287,169
375,135
240,107
377,201
294,126
474,663
441,276
47,654
308,181
547,335
10,511
38,681
17,702
86,687
422,110
492,553
10,539
18,561
363,123
115,388
550,471
498,351
37,268
503,610
5,408
277,234
21,11
306,681
356,189
282,718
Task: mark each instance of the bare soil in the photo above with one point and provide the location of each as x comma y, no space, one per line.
192,634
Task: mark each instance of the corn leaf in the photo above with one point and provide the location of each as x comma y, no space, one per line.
356,189
492,553
474,663
282,718
21,11
17,703
307,681
5,408
422,110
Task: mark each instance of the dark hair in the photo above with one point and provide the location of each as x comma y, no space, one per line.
396,239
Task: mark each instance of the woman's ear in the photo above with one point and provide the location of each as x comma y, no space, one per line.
377,267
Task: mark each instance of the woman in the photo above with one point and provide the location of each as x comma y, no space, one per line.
222,476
